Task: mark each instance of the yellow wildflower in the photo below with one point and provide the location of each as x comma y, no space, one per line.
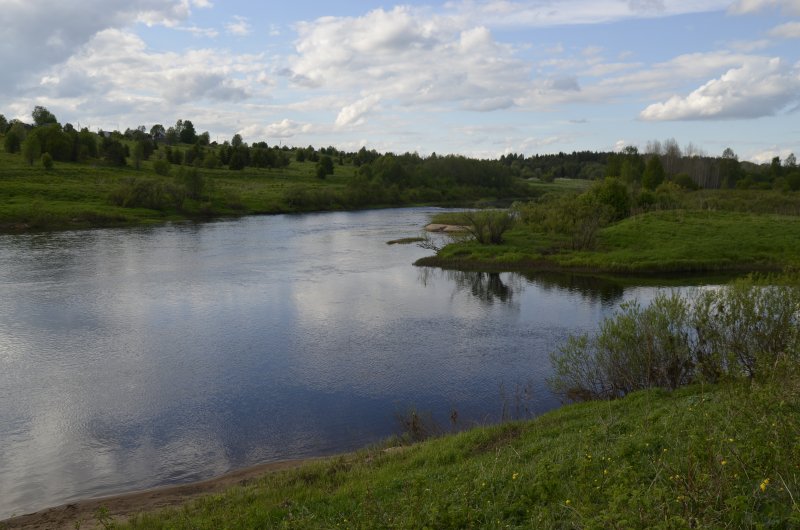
764,484
514,476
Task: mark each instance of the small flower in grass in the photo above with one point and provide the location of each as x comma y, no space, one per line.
764,484
568,502
514,476
723,462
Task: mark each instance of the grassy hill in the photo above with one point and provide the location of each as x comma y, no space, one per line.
722,456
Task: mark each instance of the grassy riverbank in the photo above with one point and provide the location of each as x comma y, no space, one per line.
743,235
95,194
657,242
77,195
692,458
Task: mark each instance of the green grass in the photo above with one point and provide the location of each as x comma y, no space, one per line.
711,457
561,185
655,242
77,195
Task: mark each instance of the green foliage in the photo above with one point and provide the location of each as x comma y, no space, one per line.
41,116
577,217
31,149
653,174
193,182
324,167
488,226
162,166
148,193
4,126
112,151
47,161
746,328
685,181
614,194
12,142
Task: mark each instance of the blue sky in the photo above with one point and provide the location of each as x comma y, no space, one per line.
480,78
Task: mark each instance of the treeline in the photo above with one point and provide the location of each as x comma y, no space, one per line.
391,179
395,175
689,168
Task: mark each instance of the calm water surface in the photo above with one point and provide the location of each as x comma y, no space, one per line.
142,357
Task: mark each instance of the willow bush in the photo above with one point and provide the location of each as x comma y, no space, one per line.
746,329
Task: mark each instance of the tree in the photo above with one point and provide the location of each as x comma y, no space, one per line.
653,173
204,138
791,161
324,166
775,167
138,154
730,170
113,151
31,149
42,116
187,133
3,124
157,131
237,161
12,141
237,141
172,136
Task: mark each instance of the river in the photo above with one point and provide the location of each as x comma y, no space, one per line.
134,358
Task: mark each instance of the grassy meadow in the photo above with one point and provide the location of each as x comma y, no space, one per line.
74,195
708,231
693,458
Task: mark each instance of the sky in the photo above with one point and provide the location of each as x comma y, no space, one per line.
479,78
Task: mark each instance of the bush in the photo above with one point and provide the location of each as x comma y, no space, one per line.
747,328
47,161
162,166
488,226
143,193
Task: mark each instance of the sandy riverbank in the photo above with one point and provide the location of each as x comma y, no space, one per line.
120,507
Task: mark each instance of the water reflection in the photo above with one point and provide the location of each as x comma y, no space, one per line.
494,287
141,357
487,287
591,288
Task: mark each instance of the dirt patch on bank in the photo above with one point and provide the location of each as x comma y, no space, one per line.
121,507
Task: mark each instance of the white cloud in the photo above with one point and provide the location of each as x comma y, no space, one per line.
538,13
38,34
765,156
239,26
355,113
760,87
199,32
114,80
789,30
285,128
404,56
742,7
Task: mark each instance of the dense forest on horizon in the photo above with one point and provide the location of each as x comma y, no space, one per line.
387,175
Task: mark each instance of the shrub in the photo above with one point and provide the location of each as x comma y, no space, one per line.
747,328
488,226
47,161
161,166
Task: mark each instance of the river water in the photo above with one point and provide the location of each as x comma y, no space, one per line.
134,358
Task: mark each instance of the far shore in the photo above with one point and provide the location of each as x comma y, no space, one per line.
83,513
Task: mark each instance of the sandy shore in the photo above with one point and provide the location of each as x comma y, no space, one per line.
122,506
